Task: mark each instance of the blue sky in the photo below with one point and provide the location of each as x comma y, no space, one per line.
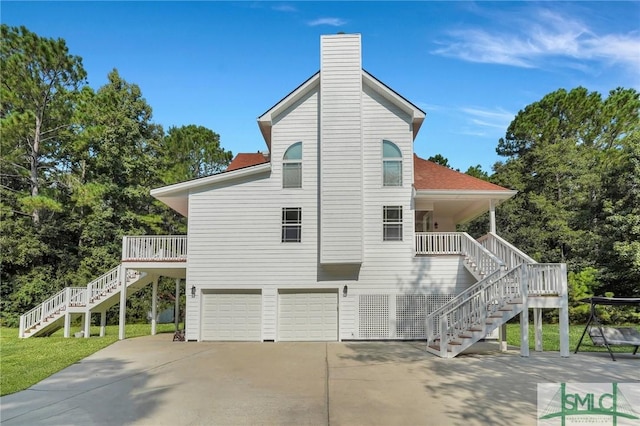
471,66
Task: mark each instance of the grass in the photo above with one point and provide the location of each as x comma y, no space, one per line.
25,362
551,338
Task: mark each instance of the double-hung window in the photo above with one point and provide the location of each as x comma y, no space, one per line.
291,224
292,166
391,164
392,223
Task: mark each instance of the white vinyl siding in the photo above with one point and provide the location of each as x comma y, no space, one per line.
308,316
235,227
340,150
232,316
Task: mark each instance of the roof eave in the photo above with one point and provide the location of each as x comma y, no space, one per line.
456,194
265,120
416,114
176,196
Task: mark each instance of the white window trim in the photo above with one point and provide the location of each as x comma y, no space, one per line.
291,225
394,222
292,161
394,160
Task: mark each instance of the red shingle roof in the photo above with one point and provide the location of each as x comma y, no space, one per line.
247,160
428,175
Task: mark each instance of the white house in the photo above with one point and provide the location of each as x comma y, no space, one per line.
338,232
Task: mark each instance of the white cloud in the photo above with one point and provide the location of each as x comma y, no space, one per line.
333,22
284,8
496,119
543,35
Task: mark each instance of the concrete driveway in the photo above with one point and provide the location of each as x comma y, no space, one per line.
154,381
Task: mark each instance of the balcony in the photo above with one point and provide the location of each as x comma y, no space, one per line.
155,248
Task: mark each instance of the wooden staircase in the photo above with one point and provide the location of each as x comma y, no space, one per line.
99,295
507,280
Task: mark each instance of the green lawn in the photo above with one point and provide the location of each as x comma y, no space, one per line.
551,338
24,362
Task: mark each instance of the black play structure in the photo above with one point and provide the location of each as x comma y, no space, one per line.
608,336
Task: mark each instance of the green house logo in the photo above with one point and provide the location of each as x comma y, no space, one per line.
586,403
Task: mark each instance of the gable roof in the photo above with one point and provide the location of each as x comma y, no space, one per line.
428,175
313,82
243,160
176,196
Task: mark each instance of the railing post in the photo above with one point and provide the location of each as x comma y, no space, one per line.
524,315
124,248
444,341
21,331
564,312
122,277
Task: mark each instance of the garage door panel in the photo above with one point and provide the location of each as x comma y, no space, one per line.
310,316
232,316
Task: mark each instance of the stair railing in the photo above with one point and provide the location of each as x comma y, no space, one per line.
103,284
504,250
38,314
486,261
479,303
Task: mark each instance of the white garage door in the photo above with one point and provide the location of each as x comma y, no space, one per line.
232,316
306,315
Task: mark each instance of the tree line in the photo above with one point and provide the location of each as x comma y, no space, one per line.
76,169
77,165
574,158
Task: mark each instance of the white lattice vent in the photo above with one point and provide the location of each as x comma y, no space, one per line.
374,316
434,302
410,316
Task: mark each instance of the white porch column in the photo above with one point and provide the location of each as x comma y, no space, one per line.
564,331
524,315
154,306
503,337
177,310
537,325
524,332
87,324
103,323
492,216
564,313
67,324
123,302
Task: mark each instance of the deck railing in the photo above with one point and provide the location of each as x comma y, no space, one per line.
547,279
156,248
77,296
458,243
438,243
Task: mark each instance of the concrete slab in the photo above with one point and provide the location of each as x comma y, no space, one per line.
154,381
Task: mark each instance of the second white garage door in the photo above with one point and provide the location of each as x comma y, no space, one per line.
232,316
308,316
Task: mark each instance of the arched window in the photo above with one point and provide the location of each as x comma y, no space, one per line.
292,166
391,164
